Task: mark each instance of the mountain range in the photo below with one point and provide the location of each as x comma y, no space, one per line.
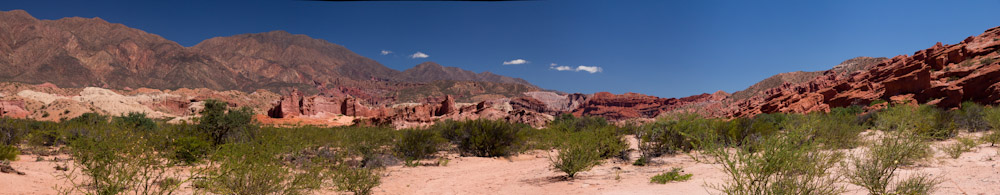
81,52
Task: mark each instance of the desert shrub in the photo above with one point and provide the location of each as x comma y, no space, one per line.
579,153
641,161
992,117
670,176
360,181
222,125
917,184
967,62
674,134
483,138
256,167
987,61
663,137
12,131
371,144
190,149
541,139
569,123
925,121
116,161
993,138
785,163
9,152
417,144
838,129
47,137
961,145
970,117
875,169
608,139
136,121
89,119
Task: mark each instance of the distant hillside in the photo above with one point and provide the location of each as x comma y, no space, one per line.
82,52
792,78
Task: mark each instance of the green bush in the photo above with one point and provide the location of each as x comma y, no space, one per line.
925,121
666,137
785,163
483,138
993,138
8,152
257,168
89,119
962,145
135,120
608,139
12,131
674,134
569,123
370,144
838,129
190,149
876,168
417,144
670,176
971,117
992,117
917,184
223,125
116,161
579,153
360,181
48,137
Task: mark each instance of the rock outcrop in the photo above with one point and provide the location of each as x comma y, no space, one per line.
13,109
294,106
943,75
634,105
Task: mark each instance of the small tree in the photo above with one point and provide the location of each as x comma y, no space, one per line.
786,163
876,168
579,153
136,121
224,125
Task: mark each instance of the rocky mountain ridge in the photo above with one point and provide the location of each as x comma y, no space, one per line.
91,52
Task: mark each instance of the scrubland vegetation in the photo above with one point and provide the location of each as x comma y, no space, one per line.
226,152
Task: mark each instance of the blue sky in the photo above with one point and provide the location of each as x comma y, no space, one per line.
662,48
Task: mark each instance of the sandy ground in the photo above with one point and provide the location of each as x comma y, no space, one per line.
974,172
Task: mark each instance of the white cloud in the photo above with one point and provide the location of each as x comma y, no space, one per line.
386,52
515,62
419,55
561,68
590,69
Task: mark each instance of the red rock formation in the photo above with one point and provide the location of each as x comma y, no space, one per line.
529,103
634,105
943,75
288,106
13,109
314,105
447,106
